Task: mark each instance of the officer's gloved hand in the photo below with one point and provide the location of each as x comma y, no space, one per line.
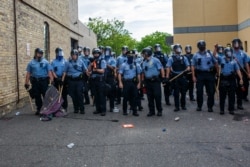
27,86
165,81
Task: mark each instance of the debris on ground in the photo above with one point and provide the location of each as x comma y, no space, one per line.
18,113
70,145
128,126
177,119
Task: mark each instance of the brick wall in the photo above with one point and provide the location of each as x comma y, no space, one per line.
30,30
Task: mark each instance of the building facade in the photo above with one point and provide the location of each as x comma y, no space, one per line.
26,25
212,20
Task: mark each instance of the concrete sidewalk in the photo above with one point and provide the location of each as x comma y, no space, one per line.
198,139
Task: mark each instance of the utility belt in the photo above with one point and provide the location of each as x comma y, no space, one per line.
97,78
34,79
134,80
153,79
71,78
228,77
210,71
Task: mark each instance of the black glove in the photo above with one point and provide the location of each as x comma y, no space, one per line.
165,80
27,86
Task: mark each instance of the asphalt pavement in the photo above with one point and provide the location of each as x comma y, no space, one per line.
197,139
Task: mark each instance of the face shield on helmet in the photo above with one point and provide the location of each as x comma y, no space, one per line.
229,52
177,49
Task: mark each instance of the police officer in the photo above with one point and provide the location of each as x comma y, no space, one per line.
119,61
228,80
139,60
178,64
40,76
220,50
101,48
151,69
96,71
204,67
80,51
74,70
58,66
86,60
163,59
130,82
110,75
241,59
189,56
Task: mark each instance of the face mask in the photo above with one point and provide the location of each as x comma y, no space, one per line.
220,54
96,56
39,59
130,59
107,57
202,48
59,58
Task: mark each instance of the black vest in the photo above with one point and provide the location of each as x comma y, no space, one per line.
161,57
178,64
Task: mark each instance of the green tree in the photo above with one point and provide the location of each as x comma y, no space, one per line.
155,38
112,33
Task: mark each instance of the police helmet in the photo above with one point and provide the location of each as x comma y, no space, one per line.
188,48
220,49
74,52
236,40
108,50
130,52
147,51
136,51
201,44
79,49
86,49
236,43
228,52
157,47
177,48
125,48
38,50
101,48
96,51
58,50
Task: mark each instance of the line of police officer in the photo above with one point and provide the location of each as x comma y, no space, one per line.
106,77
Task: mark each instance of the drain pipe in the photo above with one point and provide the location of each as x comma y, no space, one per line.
16,49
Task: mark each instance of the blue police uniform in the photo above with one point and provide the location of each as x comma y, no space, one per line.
110,79
151,70
39,79
178,64
241,59
58,67
190,79
119,61
167,88
86,62
74,71
98,86
204,64
130,74
227,83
